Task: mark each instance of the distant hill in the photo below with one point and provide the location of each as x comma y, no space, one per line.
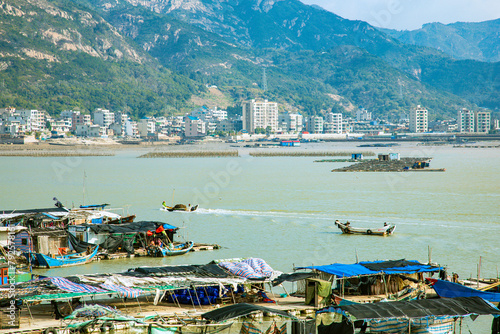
462,40
57,55
156,57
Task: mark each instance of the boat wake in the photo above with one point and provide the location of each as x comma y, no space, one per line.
273,214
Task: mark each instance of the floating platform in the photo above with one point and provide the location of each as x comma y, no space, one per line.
401,165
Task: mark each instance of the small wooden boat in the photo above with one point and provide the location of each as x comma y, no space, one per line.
180,207
45,261
171,250
346,228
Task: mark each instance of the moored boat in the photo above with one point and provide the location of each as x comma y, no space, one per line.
45,261
170,250
346,228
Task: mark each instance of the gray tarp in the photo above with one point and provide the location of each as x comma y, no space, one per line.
461,306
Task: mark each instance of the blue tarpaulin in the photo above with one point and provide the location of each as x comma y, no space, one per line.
451,290
375,267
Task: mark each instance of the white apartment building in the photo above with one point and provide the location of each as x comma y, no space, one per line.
483,121
315,124
465,121
145,126
104,117
333,123
419,120
194,127
260,114
34,119
363,115
292,121
130,128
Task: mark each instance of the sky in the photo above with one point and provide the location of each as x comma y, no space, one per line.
411,14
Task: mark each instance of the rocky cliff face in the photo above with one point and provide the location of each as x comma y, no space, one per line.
36,29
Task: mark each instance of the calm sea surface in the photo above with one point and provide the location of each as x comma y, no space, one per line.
282,209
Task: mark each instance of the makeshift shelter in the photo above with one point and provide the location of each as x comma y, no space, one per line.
375,277
120,236
415,316
41,240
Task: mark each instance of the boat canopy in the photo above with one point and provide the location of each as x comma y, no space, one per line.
375,267
240,310
141,226
422,308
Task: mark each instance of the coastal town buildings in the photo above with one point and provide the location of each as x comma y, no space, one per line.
259,114
419,120
473,121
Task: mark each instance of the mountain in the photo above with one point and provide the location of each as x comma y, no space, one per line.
156,56
58,55
462,40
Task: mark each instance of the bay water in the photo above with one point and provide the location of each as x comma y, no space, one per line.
282,209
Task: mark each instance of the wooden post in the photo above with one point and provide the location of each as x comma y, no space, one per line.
477,276
479,270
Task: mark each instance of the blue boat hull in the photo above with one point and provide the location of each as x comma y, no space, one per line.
178,250
44,261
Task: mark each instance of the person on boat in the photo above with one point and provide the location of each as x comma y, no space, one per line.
164,204
385,224
347,224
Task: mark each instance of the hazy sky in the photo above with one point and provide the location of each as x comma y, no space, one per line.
411,14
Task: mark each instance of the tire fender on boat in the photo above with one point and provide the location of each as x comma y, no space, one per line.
50,330
369,232
107,327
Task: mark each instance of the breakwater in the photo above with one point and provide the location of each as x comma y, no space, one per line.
43,153
191,154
